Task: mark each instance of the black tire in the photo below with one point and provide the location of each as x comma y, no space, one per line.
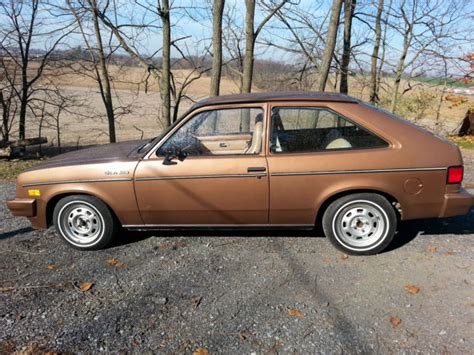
360,224
84,222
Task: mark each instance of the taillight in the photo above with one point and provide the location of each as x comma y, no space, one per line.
455,174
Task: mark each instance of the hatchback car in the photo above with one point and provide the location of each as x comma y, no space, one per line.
280,160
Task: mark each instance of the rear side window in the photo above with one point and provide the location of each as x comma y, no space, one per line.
310,129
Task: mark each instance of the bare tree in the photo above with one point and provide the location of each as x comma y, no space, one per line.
424,23
381,63
163,9
104,79
180,83
306,40
25,23
99,57
172,88
330,44
216,71
349,8
48,111
374,98
8,97
251,35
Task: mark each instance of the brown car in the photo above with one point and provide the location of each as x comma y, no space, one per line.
291,160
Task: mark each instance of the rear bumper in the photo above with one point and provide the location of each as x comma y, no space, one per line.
457,204
24,207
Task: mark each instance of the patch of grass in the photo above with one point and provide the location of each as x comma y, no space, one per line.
9,169
440,81
466,142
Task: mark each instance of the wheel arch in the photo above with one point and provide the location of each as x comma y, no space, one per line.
53,201
330,199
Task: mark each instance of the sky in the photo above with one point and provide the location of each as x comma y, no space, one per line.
192,20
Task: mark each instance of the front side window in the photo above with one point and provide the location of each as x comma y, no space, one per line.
310,129
218,132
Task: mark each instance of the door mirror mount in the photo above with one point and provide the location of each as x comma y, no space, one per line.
171,155
181,155
169,160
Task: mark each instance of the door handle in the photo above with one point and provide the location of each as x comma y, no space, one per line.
256,169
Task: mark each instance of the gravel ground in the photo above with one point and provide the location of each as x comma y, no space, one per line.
237,293
468,159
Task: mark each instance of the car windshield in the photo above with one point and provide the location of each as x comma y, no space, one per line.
152,141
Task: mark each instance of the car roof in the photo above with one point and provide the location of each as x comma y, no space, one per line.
276,96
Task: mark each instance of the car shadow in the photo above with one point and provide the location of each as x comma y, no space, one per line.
130,236
15,233
407,231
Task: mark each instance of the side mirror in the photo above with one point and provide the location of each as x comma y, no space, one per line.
170,155
169,160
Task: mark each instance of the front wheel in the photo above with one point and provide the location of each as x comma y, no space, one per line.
360,224
84,222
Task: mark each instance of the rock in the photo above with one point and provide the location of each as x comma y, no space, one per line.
160,300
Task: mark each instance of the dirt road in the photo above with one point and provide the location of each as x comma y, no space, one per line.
237,293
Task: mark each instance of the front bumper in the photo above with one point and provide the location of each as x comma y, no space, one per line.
25,207
457,204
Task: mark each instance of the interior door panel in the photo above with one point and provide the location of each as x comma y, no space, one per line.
228,144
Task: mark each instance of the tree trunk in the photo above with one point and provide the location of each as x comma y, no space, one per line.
247,74
24,46
330,45
441,96
384,48
374,97
349,7
23,107
165,65
5,114
23,97
216,71
401,66
107,94
58,133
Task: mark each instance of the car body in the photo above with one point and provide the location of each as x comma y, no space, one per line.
288,160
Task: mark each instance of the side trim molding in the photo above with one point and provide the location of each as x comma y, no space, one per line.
211,226
75,181
367,171
223,176
329,172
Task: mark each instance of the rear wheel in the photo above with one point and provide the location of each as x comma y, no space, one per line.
360,224
84,222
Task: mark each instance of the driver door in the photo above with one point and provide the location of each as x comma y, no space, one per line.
223,181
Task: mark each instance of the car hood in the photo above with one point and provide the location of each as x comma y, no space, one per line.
123,151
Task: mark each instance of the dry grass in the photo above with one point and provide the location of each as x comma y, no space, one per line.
9,169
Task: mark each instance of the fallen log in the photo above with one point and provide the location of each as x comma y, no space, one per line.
24,142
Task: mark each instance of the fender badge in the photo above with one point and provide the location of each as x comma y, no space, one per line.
116,172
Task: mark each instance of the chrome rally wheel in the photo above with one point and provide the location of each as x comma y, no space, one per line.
84,222
360,223
81,223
